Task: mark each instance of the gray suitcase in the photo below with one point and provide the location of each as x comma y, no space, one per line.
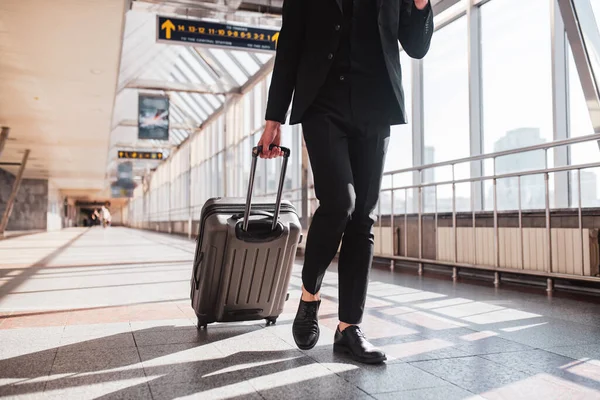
243,265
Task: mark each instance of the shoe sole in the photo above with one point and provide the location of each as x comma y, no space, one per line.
309,346
347,352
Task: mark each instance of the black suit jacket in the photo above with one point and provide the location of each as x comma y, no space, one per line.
308,35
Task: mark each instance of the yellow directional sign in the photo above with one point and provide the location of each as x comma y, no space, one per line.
168,26
141,155
198,32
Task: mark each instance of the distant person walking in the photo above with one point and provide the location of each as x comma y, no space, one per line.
106,217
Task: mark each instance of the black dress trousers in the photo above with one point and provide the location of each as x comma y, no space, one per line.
347,157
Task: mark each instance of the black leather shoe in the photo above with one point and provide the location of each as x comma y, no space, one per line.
353,342
306,325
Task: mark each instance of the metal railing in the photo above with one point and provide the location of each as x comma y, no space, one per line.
192,214
497,268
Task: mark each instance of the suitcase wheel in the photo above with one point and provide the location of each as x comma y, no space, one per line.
202,324
271,321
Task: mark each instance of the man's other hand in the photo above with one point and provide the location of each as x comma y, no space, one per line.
271,135
421,4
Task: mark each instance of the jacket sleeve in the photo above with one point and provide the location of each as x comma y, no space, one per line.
415,28
287,58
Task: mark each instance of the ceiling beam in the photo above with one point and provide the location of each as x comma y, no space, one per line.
142,146
131,123
146,84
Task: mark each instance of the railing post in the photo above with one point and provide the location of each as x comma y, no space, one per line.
474,228
548,226
521,245
496,229
454,223
580,220
420,222
392,225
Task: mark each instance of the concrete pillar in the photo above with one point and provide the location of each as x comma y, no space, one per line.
13,194
3,138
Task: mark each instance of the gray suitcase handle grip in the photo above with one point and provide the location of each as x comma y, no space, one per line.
255,152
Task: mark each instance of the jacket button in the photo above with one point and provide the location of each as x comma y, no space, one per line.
330,56
338,27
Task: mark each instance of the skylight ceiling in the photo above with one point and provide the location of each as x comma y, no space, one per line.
196,79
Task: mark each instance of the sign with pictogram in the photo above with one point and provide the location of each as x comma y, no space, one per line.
197,32
140,155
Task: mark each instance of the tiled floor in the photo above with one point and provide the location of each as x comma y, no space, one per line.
104,314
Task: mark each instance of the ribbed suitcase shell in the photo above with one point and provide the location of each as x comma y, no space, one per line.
236,280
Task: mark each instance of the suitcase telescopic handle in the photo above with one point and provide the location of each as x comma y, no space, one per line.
255,152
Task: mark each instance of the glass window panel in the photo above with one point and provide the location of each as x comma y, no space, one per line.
200,99
175,115
244,58
273,168
230,67
231,171
399,153
261,175
580,124
287,140
214,131
188,74
178,76
588,19
247,108
204,70
198,64
221,133
200,113
264,58
243,158
446,103
213,177
517,94
258,106
219,176
182,104
215,101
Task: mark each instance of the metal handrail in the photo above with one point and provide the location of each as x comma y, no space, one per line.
543,146
497,267
500,176
456,263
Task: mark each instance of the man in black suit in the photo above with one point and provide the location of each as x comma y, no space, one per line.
341,60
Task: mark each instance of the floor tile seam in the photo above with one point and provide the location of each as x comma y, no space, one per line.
437,358
427,387
402,391
103,348
50,372
439,377
577,388
550,350
583,343
519,370
147,379
532,371
531,348
586,324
